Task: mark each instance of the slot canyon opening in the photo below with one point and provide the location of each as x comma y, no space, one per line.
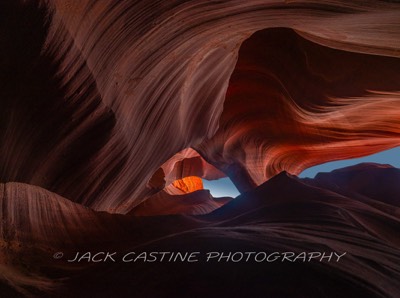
187,172
390,157
186,184
222,187
219,188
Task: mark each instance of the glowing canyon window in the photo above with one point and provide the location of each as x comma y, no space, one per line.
222,187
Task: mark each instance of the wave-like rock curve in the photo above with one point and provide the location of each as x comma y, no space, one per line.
121,106
113,89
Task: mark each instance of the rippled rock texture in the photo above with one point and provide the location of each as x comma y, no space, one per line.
113,111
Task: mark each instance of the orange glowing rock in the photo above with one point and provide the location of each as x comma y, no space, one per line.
188,184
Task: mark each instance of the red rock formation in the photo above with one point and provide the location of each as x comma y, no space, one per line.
102,101
305,104
182,188
188,163
113,89
188,184
283,214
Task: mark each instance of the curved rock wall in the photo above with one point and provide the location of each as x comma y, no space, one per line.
113,89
